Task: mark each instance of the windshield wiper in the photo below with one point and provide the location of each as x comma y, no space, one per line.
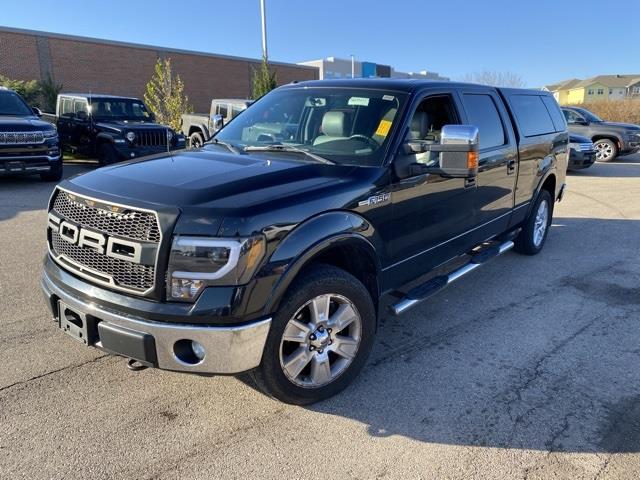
230,147
279,147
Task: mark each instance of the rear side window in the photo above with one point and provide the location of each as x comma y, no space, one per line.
79,106
482,112
533,117
66,106
556,115
222,110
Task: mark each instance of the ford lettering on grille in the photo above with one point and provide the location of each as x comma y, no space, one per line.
108,244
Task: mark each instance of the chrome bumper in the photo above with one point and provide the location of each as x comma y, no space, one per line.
229,350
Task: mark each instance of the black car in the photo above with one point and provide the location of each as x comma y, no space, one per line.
610,139
28,145
269,248
111,128
582,153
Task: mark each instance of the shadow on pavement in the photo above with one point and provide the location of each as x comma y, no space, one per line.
12,190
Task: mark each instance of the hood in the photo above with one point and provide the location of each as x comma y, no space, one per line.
121,125
627,126
10,123
225,183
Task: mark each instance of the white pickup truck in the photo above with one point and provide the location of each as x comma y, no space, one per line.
200,127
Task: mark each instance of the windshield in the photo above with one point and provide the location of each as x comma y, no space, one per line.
119,109
588,115
12,104
343,125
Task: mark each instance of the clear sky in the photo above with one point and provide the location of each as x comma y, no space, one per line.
544,41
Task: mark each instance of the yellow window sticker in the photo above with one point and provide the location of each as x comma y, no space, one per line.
383,128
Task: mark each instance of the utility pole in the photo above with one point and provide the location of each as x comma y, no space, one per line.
353,66
264,29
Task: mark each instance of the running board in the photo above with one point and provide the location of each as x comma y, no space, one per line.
422,292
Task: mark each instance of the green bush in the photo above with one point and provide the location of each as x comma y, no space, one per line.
28,89
625,111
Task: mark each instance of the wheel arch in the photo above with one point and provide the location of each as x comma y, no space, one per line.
341,239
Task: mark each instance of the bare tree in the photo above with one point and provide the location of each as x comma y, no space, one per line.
495,79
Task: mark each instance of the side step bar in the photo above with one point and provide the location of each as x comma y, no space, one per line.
431,287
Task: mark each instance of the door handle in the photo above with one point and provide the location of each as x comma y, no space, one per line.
511,166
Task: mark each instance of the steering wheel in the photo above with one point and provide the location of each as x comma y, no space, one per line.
366,139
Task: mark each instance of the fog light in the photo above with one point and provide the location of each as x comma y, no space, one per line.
185,288
198,350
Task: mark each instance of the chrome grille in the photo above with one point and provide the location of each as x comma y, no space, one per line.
21,138
129,223
112,220
585,147
124,274
150,138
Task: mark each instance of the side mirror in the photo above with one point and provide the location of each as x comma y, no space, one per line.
82,115
457,154
36,111
218,122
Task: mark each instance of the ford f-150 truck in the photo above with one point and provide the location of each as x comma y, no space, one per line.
268,250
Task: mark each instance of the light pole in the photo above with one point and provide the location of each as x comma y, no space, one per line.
353,66
264,29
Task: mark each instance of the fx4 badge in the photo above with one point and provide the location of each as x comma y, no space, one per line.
383,197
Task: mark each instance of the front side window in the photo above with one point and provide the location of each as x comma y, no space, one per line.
119,109
426,124
482,112
12,104
79,106
341,125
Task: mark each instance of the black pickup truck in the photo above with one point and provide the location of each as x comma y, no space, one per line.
28,145
111,128
270,248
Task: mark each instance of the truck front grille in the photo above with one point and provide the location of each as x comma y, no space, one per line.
111,220
21,138
150,138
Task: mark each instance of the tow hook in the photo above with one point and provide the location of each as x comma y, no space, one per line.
135,366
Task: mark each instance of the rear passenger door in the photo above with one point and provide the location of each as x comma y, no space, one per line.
543,143
498,157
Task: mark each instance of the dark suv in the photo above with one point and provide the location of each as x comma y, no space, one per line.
111,128
610,139
27,144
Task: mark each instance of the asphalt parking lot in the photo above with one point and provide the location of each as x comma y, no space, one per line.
528,368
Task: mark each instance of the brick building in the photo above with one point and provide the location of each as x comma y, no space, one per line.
84,64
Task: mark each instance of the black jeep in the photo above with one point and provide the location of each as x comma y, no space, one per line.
111,128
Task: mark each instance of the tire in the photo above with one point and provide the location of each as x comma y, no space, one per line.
107,155
196,140
55,175
536,227
305,367
606,150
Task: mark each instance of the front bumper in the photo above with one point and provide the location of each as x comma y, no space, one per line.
229,349
580,160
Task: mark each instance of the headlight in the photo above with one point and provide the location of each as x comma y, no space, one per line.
574,146
50,133
169,135
131,136
197,262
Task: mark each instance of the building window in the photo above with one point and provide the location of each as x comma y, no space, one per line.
636,90
611,91
590,91
601,91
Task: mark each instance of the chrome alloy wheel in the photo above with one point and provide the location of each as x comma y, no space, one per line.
604,151
320,341
541,223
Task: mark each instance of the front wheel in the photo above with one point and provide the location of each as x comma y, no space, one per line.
606,150
196,140
320,337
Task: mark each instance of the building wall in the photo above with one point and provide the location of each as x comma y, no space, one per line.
91,65
575,96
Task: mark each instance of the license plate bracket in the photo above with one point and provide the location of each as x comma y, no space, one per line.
14,166
76,324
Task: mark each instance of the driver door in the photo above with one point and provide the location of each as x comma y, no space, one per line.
432,214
